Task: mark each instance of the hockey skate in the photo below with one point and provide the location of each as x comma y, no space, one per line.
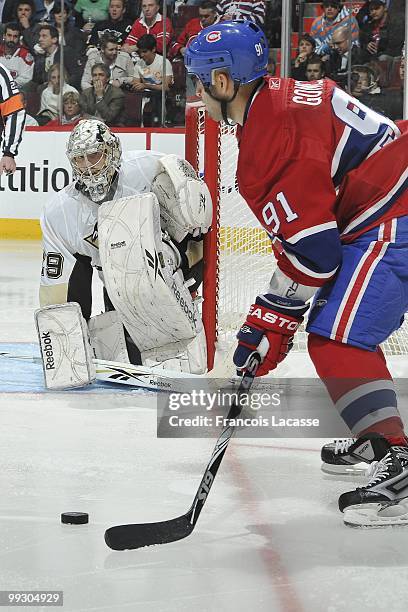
352,456
384,500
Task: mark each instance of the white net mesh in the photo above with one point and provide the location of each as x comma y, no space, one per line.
246,261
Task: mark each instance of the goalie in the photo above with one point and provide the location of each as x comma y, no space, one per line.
139,219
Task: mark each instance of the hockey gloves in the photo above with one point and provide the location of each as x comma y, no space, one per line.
269,329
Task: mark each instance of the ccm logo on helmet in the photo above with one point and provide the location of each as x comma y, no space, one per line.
213,36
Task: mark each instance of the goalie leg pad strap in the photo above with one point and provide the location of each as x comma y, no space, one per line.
107,337
139,274
184,356
65,348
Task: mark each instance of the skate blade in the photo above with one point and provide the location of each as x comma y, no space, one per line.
394,514
358,469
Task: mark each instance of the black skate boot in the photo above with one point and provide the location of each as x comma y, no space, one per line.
384,500
351,456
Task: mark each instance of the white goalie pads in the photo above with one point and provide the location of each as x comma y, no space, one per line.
65,348
185,201
141,275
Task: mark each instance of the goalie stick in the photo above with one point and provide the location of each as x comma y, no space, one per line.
128,374
127,537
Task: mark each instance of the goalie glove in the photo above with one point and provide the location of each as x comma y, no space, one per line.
269,329
185,201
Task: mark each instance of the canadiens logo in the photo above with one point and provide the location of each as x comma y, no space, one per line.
274,83
213,36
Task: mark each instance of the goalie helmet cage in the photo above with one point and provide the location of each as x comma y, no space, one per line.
238,258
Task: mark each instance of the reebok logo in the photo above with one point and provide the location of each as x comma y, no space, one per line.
191,314
117,245
245,329
47,351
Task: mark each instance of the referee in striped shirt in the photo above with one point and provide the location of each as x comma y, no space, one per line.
12,118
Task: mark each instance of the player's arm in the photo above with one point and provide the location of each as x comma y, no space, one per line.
12,115
306,240
299,215
65,275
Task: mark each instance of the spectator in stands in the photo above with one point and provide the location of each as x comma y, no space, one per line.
120,65
273,23
133,9
103,100
306,48
49,45
24,16
149,75
15,57
43,11
89,12
50,96
71,110
30,121
151,22
364,86
74,38
344,51
315,68
9,11
207,16
334,16
117,24
380,36
363,14
254,10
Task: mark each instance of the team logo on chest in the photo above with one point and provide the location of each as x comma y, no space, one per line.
92,239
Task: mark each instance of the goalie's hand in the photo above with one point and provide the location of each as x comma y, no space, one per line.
269,329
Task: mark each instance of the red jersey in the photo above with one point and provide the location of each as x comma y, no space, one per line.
140,27
325,170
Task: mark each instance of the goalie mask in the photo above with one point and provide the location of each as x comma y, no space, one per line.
95,155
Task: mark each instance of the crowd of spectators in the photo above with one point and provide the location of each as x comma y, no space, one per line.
113,52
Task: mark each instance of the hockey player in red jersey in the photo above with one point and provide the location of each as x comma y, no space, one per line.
327,179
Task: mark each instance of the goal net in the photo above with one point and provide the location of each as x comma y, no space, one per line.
238,258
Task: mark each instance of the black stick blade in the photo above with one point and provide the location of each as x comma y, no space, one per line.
129,537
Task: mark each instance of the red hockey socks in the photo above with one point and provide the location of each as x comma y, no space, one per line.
360,387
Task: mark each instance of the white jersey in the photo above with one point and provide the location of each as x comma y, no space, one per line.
69,224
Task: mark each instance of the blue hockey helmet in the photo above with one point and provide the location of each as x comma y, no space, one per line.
239,46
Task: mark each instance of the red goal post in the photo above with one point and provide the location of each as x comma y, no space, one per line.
238,260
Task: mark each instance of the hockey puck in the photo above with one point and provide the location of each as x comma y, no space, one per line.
74,518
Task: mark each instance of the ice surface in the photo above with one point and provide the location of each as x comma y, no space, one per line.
270,537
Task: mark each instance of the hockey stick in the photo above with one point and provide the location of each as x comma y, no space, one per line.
128,374
126,537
